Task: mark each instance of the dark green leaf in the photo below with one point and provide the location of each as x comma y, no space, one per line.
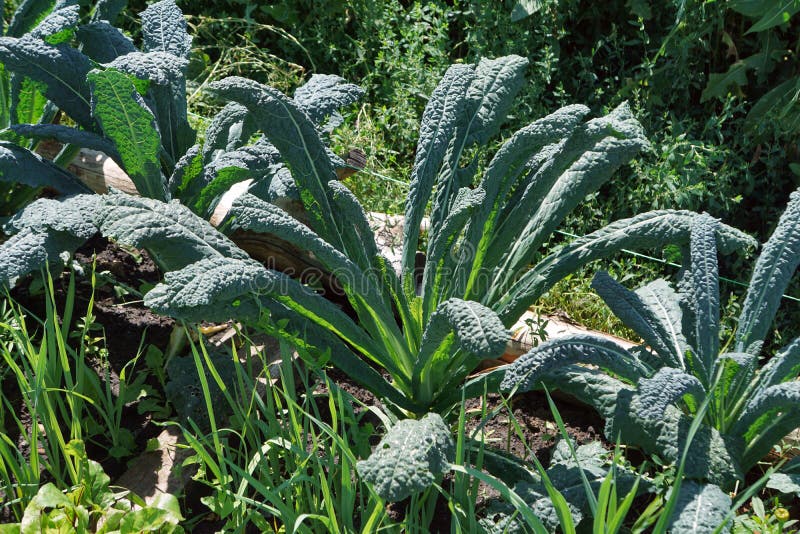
164,29
103,42
409,457
19,165
61,71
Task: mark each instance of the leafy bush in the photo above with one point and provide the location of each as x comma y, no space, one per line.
21,100
132,106
552,163
92,506
427,337
650,394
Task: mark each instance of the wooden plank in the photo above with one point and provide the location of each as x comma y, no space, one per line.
94,168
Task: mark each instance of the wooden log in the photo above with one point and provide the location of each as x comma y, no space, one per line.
93,168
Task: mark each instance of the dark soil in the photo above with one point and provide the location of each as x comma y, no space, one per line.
126,326
126,323
125,320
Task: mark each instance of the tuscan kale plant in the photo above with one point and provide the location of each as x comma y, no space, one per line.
21,101
131,104
484,233
428,338
650,394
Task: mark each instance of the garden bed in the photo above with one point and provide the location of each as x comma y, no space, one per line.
125,327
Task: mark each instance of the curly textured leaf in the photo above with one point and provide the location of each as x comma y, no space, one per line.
409,457
714,457
167,95
591,454
613,141
173,234
666,387
45,232
475,327
486,104
439,121
160,68
568,479
298,142
438,262
360,239
532,368
590,386
645,321
128,122
774,268
457,324
700,508
19,165
58,26
647,230
497,81
59,69
230,128
663,302
164,29
30,250
78,215
27,15
215,289
704,298
503,173
323,94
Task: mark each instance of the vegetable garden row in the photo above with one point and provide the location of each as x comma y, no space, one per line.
694,416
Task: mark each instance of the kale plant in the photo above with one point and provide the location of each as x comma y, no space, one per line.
650,394
573,476
481,240
490,217
131,104
22,101
484,234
